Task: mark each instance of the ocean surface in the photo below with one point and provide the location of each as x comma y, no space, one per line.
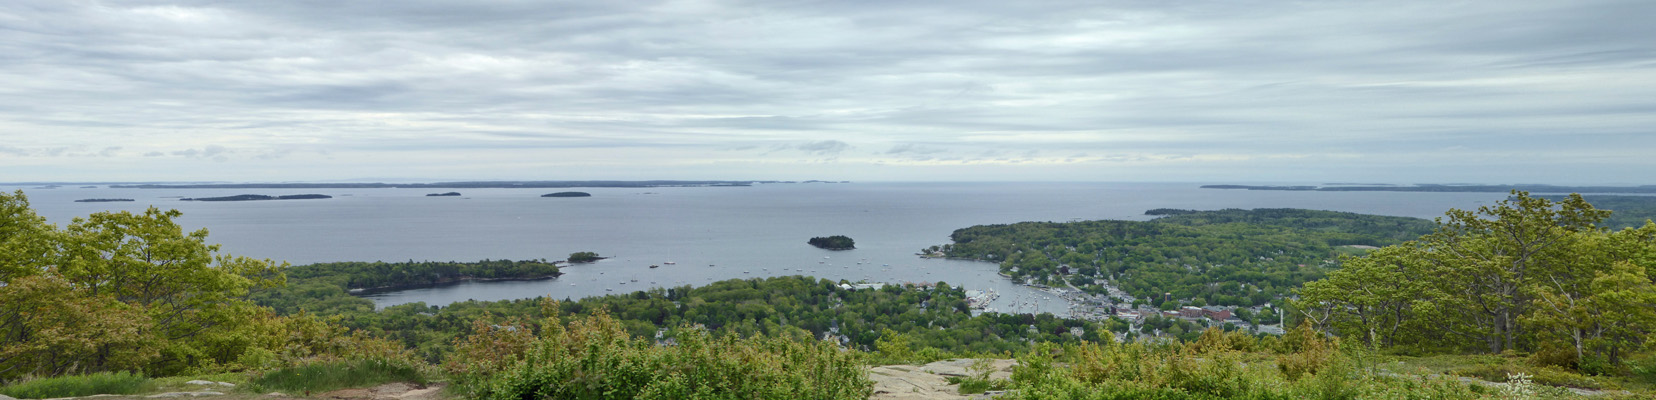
708,233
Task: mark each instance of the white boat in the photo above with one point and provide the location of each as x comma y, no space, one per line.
670,263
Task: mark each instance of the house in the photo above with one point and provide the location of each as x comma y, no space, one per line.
1130,316
1192,312
1216,313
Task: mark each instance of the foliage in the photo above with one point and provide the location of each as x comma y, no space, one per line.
121,291
1226,257
1630,211
1144,370
584,257
935,319
836,242
979,381
384,275
593,357
77,385
1526,274
337,374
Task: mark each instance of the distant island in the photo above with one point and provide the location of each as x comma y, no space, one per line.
568,194
443,194
100,200
1532,188
256,197
836,242
446,185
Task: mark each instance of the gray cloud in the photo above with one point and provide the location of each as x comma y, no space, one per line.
825,147
212,151
501,85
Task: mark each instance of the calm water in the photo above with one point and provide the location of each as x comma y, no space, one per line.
711,233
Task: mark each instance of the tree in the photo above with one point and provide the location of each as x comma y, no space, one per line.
1524,274
118,290
1373,296
584,257
1491,257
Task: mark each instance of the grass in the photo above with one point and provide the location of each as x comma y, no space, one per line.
78,385
332,375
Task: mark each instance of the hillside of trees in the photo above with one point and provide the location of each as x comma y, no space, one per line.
1527,275
410,274
1227,257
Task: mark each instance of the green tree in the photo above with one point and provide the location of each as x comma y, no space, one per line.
583,257
118,290
1487,262
1373,296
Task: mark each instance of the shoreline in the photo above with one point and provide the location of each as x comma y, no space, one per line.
445,282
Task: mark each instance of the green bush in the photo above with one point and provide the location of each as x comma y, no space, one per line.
78,385
331,375
1173,371
594,358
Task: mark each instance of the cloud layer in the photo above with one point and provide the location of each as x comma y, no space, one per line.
1129,90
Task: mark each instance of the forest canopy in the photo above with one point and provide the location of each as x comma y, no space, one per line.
1226,257
836,242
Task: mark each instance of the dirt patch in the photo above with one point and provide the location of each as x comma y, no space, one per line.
929,381
389,391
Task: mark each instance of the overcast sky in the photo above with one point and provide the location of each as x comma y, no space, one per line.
1212,91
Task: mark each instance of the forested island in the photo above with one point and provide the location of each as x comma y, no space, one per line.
101,200
836,242
1446,188
568,194
260,197
442,194
581,257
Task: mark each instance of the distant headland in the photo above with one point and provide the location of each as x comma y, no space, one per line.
568,194
447,185
257,197
100,200
1532,188
443,194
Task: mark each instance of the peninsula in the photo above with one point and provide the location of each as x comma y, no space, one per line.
1532,188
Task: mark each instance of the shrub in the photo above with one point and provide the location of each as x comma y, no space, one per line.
331,375
77,385
1306,350
593,357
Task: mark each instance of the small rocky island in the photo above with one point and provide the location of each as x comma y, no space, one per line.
836,242
582,257
100,200
443,194
256,197
568,194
